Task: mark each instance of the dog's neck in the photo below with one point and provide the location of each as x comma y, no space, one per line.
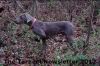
31,23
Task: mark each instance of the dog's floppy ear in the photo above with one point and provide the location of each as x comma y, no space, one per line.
28,17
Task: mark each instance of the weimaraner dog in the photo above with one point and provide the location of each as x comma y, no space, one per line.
48,29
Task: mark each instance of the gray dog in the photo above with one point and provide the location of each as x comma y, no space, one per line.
47,29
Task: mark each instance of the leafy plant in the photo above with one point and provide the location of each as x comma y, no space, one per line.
1,64
79,43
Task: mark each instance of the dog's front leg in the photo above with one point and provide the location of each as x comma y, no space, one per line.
44,45
40,32
42,35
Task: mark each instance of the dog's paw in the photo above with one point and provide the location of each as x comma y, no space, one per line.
36,39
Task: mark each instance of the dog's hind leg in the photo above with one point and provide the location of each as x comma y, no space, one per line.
69,32
70,41
70,44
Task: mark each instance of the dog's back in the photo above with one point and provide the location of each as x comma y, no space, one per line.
65,27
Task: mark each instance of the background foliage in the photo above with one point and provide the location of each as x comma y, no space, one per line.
19,45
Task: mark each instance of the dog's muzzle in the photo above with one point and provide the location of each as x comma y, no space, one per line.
19,20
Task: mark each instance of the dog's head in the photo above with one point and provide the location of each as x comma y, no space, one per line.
24,18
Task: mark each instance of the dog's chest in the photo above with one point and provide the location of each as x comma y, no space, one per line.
38,25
